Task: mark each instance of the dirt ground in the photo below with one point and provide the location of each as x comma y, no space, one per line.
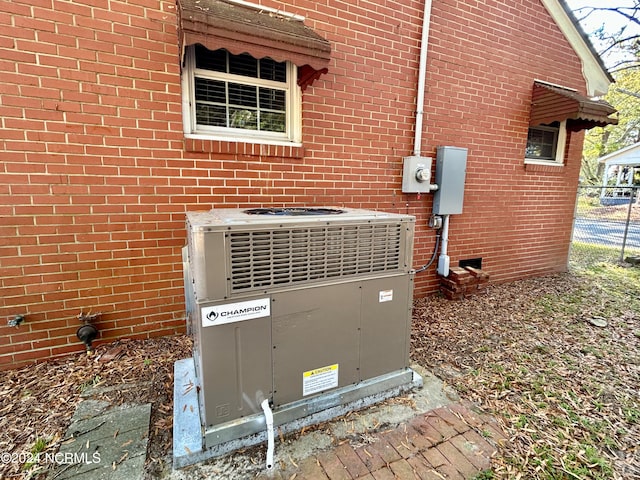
37,402
530,352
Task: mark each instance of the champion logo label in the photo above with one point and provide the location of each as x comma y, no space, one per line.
235,312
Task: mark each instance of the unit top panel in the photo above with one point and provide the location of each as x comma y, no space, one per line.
226,218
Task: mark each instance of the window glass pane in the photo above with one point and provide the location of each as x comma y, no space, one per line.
272,99
273,122
244,95
245,119
216,60
244,65
271,70
225,102
547,146
210,90
541,143
533,143
212,115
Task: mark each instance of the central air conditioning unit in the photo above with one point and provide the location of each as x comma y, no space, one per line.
309,308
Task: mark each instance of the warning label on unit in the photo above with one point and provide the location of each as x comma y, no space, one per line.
385,296
319,379
235,312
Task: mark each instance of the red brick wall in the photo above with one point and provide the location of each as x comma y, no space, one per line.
516,217
95,175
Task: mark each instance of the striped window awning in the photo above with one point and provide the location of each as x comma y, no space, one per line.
552,103
240,28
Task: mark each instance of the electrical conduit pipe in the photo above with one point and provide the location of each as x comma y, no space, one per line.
443,261
422,76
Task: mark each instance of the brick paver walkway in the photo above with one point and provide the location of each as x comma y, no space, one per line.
452,442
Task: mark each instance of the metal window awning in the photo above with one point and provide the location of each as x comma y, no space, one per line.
264,33
551,103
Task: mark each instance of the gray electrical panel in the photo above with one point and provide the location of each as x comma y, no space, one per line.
451,166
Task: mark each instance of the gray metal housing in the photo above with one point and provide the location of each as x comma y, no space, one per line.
451,168
291,307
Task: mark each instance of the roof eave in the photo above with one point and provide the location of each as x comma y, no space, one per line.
596,76
613,156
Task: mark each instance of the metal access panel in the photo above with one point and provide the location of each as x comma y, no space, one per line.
337,335
313,329
451,167
232,353
385,325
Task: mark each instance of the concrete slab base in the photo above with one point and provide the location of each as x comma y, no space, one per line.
193,444
104,442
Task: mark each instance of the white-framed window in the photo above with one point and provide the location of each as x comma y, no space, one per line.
546,144
240,98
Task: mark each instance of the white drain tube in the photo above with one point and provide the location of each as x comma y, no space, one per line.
268,415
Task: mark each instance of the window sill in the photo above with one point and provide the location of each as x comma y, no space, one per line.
203,144
531,165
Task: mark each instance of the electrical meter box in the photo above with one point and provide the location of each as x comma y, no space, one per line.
451,167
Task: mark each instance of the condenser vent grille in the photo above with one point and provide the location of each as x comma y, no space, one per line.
273,258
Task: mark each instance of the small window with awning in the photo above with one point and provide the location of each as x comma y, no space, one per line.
555,111
244,68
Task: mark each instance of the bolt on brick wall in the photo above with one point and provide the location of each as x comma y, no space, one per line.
96,175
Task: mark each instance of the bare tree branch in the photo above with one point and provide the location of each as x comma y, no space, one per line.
621,46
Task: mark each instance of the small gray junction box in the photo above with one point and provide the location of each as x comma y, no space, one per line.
451,166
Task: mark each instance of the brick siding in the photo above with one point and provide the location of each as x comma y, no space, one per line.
96,176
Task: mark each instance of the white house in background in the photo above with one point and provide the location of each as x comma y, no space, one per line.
623,166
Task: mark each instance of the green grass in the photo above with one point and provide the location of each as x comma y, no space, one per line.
486,475
632,415
39,446
572,430
585,255
92,382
